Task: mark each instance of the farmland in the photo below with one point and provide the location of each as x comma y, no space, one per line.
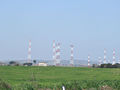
55,77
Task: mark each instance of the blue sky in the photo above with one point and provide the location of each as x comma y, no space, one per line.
91,25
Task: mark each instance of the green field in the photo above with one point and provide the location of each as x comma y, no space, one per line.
53,77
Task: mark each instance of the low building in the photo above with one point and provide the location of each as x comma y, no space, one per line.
42,64
2,64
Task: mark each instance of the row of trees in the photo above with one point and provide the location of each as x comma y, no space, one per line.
109,65
14,63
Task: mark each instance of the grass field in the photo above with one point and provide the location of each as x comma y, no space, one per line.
51,77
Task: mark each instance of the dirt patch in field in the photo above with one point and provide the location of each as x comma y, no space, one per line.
101,88
106,88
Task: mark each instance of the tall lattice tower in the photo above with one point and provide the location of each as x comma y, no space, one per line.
113,57
119,60
72,55
100,61
54,52
88,60
29,52
104,57
58,54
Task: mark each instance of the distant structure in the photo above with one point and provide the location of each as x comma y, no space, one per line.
119,61
105,57
2,64
113,57
72,56
58,54
88,60
29,52
42,64
54,52
100,61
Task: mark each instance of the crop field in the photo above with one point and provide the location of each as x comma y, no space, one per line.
52,78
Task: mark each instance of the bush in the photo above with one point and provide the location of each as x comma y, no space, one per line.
4,86
109,65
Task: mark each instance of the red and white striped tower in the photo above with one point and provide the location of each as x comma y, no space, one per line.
105,57
58,54
100,61
29,52
88,60
54,52
113,57
72,56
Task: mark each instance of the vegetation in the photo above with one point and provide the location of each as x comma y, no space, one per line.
73,78
109,65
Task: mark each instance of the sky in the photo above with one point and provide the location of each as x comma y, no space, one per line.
90,25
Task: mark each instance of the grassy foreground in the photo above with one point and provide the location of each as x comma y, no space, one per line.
54,77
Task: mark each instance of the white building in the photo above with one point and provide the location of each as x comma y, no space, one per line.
2,64
42,64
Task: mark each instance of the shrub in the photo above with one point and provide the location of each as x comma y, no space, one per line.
4,86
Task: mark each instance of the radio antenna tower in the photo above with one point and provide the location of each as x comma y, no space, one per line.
54,52
72,56
105,56
100,61
113,57
119,61
88,60
29,52
58,54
